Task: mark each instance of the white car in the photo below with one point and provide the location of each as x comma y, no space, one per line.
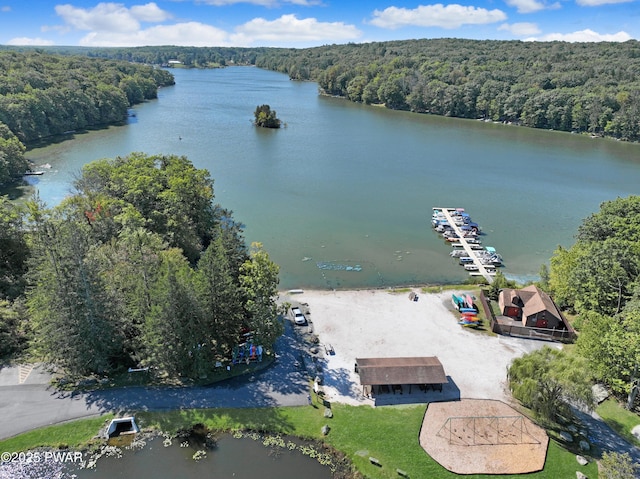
298,317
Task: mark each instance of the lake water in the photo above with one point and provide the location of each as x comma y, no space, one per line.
346,184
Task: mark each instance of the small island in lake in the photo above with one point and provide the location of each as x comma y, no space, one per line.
266,117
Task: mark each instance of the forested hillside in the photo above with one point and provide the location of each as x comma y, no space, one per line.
591,88
190,57
581,87
43,95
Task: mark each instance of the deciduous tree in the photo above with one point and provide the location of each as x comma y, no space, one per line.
544,380
266,117
615,465
13,164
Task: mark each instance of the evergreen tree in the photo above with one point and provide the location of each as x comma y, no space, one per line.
219,296
129,267
68,304
174,333
120,278
259,282
14,252
14,329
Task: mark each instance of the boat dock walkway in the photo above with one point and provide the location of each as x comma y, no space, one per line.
482,271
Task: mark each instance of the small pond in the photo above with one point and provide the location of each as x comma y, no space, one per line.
237,457
246,457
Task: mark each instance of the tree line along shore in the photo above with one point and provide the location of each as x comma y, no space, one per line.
590,88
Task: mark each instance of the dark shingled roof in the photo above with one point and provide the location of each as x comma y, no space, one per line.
533,298
420,370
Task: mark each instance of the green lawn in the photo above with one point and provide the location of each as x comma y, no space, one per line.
389,434
619,419
74,434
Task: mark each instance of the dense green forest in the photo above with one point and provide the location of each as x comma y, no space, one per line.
190,57
42,95
581,87
138,268
589,88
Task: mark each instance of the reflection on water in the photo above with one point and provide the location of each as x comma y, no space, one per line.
240,458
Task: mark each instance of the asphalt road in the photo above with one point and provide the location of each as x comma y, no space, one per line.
30,403
605,438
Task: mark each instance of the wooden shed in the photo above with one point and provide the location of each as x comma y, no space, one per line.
379,375
532,306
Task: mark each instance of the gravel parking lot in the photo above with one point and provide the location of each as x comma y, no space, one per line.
382,323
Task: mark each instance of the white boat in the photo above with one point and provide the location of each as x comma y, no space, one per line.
494,260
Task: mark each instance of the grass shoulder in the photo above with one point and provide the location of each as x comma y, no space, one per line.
78,434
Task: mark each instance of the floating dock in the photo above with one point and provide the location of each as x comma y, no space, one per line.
482,269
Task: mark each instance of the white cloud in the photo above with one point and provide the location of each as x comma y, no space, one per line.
113,24
29,41
193,34
595,3
530,6
262,3
287,29
438,15
5,8
290,29
149,13
110,17
520,29
583,36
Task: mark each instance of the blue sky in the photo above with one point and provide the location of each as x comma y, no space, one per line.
305,23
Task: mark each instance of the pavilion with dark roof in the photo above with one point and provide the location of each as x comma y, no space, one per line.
379,375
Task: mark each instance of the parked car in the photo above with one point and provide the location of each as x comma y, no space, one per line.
298,317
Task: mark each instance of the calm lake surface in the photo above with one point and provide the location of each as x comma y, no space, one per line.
346,184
